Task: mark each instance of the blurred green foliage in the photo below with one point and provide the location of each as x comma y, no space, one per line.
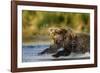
37,22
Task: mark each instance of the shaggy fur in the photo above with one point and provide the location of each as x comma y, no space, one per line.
69,40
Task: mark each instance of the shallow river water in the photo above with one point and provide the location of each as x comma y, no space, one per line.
30,54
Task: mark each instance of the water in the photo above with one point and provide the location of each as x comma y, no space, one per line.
30,54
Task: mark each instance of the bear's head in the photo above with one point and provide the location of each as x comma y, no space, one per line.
61,34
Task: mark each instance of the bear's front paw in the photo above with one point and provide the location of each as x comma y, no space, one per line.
55,55
62,53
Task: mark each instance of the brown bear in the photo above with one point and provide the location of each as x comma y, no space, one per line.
69,40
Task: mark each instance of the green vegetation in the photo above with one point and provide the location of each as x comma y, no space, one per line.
36,23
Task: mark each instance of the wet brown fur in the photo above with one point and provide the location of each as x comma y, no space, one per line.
69,40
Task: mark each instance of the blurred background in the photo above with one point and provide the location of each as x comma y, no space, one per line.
36,23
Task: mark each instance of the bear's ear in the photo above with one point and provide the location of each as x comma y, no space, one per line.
51,30
71,33
64,31
69,30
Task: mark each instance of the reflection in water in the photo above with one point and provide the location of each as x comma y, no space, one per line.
30,54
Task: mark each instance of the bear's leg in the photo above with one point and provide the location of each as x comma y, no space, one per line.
44,51
62,53
50,50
